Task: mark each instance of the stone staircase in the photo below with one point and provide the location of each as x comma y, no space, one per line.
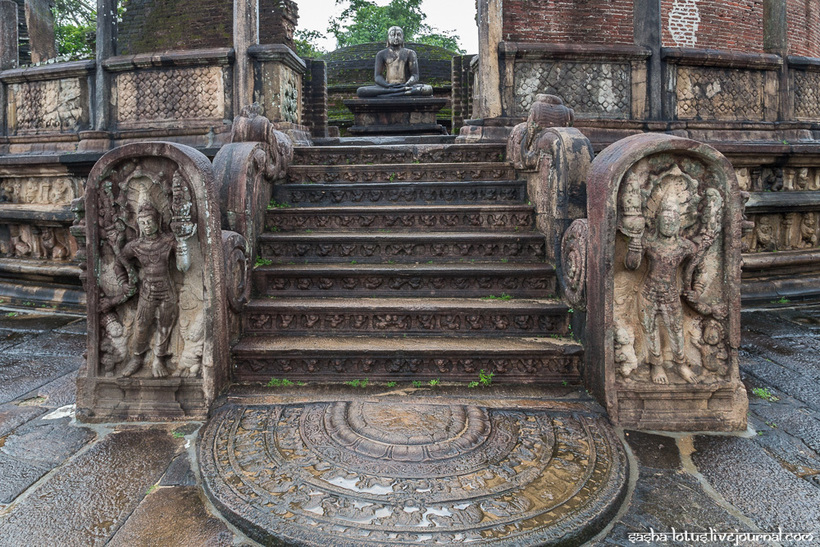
404,262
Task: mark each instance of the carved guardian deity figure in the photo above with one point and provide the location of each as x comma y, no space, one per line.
157,308
665,251
396,72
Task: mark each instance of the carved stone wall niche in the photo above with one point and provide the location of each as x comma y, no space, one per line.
715,93
663,285
278,75
157,341
805,85
788,231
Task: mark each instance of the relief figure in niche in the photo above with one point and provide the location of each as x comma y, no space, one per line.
660,303
764,235
625,358
808,231
149,256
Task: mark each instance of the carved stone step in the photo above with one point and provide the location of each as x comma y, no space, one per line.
412,172
405,247
427,218
443,193
444,280
411,316
338,358
389,154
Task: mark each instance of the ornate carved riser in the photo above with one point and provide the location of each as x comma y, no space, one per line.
291,322
523,369
520,249
140,399
504,218
481,192
344,155
400,173
682,408
269,282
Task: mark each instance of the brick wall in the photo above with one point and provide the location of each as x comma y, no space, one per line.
161,25
713,24
277,21
803,18
462,90
582,21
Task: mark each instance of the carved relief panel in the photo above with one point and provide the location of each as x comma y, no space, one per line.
49,106
663,285
154,306
42,234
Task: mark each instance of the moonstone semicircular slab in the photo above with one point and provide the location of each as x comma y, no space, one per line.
375,473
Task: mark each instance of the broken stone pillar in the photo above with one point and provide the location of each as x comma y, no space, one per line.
663,285
40,23
156,283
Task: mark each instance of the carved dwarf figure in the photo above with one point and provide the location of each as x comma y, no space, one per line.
808,231
714,356
396,72
157,307
625,358
764,235
665,251
113,346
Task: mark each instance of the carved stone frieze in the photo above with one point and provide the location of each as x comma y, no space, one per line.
33,241
590,88
783,232
401,173
155,311
50,106
276,282
344,194
544,368
395,473
525,248
663,285
294,219
421,154
514,321
171,94
41,190
720,94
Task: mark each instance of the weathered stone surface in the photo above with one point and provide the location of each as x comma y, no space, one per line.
179,473
183,521
12,416
50,343
654,451
20,374
775,498
795,384
98,489
33,322
33,450
666,499
77,326
396,472
60,392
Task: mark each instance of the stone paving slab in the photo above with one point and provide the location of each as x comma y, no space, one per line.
88,498
191,526
60,392
35,449
12,415
21,374
754,482
51,343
